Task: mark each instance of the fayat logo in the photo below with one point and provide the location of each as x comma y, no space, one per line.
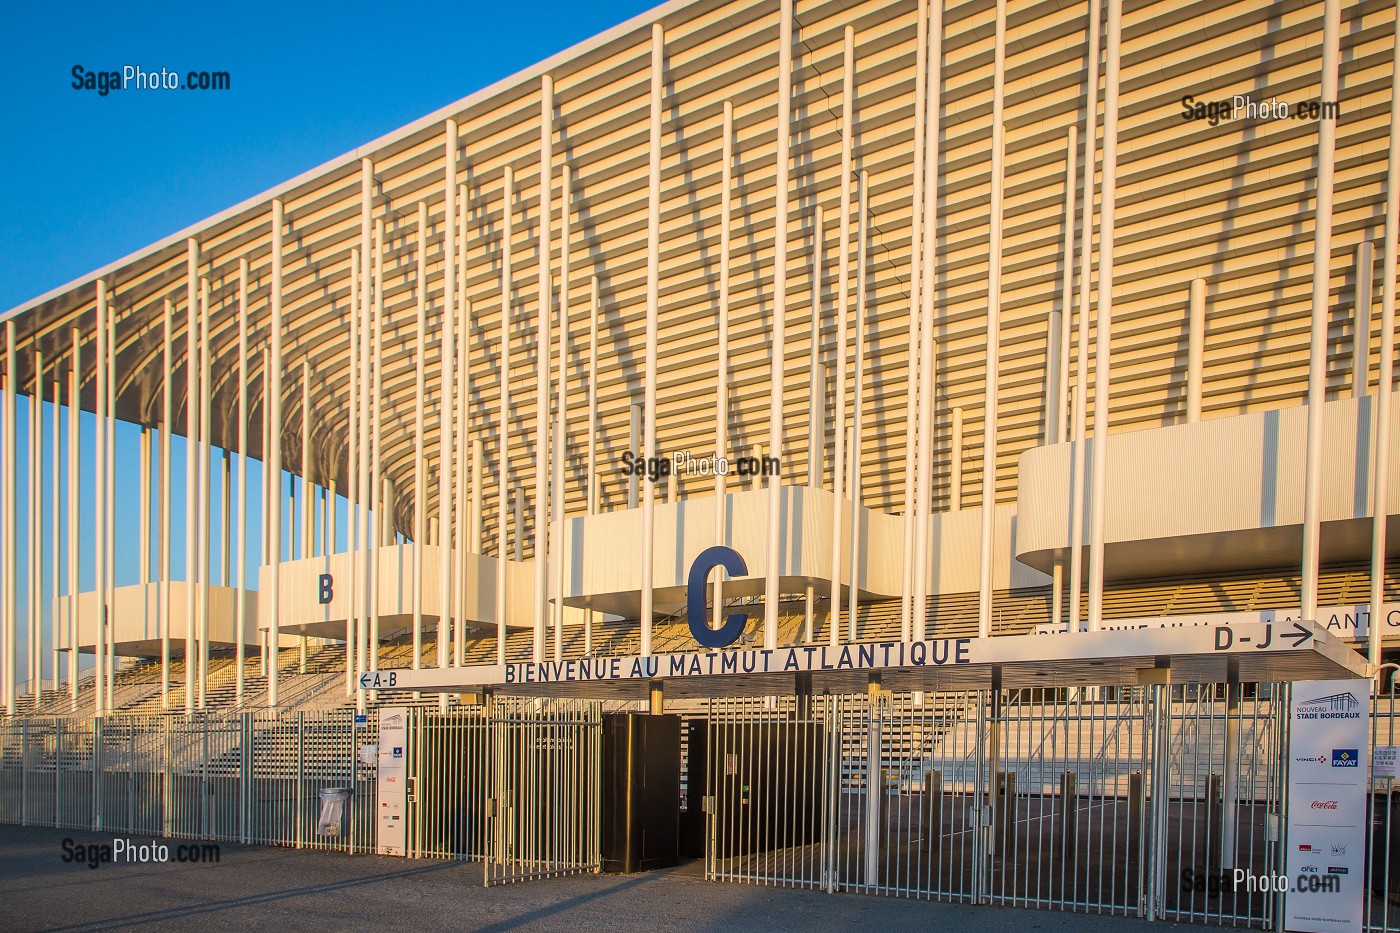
697,584
1345,757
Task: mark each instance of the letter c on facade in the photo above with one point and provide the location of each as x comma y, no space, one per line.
696,584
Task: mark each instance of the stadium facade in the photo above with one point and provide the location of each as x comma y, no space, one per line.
994,344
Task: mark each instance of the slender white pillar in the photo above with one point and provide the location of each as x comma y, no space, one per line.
648,542
561,416
11,589
203,572
308,499
778,356
381,517
365,495
420,463
911,403
726,224
447,357
928,376
191,459
955,479
816,426
1361,339
36,530
1103,341
475,545
266,498
75,409
99,508
55,540
461,410
857,478
1386,386
843,312
167,425
634,444
1057,408
543,313
1195,349
503,417
354,658
240,610
993,368
274,460
111,515
1086,258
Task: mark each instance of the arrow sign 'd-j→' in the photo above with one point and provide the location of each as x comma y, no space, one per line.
1296,635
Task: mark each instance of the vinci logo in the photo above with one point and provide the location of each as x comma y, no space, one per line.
1345,758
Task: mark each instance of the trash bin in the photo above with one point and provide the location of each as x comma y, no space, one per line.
333,800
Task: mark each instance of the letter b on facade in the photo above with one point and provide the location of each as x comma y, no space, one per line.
325,590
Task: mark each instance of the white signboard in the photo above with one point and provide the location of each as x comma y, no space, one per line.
1385,761
393,780
1329,742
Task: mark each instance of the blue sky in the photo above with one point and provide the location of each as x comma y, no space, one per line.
93,178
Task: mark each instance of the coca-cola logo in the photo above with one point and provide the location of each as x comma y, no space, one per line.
1324,804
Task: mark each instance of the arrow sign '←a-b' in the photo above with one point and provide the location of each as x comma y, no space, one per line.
379,680
1295,635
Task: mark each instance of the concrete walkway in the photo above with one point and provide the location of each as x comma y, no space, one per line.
255,888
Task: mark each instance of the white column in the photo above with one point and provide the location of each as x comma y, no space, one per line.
561,415
99,536
381,515
420,463
191,458
726,223
911,402
11,589
308,499
447,357
354,658
111,486
365,495
816,425
203,572
857,479
475,545
55,542
75,409
1056,409
771,593
1361,340
503,417
843,311
36,531
1386,385
648,541
634,444
928,375
1103,342
167,425
240,612
461,410
955,479
542,365
993,368
1086,259
274,460
1195,349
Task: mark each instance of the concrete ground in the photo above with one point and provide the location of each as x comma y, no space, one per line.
255,888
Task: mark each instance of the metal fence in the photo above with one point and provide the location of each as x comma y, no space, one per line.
1092,799
1113,800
